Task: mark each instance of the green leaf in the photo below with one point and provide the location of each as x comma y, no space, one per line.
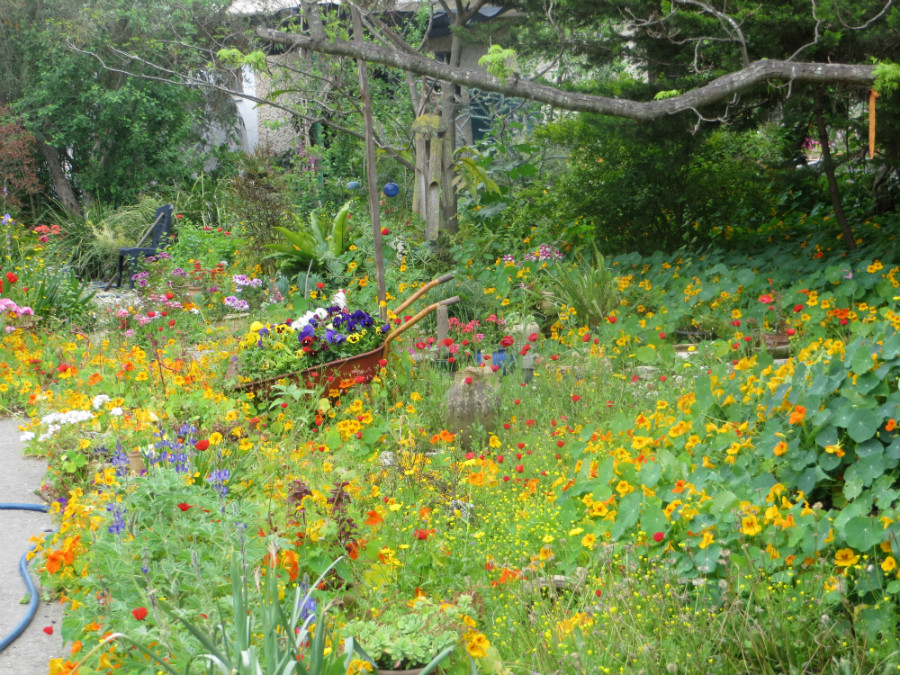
862,533
862,424
627,514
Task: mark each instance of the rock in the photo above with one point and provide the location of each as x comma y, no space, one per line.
469,404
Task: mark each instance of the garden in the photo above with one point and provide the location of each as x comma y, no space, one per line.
604,396
644,481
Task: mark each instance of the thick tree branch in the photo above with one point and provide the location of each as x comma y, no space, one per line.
718,90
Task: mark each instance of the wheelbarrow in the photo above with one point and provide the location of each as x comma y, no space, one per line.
357,369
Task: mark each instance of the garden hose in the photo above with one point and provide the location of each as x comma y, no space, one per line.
29,584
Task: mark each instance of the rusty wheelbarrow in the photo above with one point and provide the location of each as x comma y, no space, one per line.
358,369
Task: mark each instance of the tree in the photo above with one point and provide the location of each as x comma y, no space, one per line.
101,135
708,60
714,59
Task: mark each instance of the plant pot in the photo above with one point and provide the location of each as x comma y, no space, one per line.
501,357
778,345
408,671
695,335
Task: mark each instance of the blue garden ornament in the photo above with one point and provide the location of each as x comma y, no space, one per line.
353,185
391,189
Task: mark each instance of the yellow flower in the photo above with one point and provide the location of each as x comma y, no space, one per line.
359,666
477,645
845,558
889,564
750,526
588,541
708,539
215,438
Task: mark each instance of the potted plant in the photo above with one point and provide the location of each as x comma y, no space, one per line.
320,336
409,637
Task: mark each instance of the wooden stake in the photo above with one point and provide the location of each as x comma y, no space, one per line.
374,208
872,96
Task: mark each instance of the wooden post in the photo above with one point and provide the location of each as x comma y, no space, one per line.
374,208
443,329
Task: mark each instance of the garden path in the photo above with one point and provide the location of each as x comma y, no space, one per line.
20,476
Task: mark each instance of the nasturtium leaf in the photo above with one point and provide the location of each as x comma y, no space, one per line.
646,354
745,277
862,360
862,424
707,558
650,474
653,520
862,533
628,513
829,462
890,348
724,502
827,436
866,383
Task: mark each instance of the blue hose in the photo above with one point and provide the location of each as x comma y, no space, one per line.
29,584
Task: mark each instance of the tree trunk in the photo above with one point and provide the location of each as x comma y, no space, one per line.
374,207
828,167
60,182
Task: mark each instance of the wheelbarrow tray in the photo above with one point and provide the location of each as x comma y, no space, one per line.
360,368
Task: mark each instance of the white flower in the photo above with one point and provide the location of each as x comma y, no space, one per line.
321,313
116,411
27,436
99,400
340,299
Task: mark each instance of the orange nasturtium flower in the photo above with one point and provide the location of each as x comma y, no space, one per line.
798,415
780,449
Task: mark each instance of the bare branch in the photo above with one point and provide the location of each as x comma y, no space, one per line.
868,23
190,81
719,89
816,35
723,20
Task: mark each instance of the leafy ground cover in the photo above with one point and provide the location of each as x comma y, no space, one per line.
638,503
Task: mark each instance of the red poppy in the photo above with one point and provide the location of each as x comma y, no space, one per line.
48,630
576,398
447,342
139,613
385,231
798,309
11,277
499,459
506,341
184,506
520,468
533,337
202,445
468,380
612,318
423,534
658,537
382,362
586,337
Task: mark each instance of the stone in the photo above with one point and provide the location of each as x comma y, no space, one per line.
468,404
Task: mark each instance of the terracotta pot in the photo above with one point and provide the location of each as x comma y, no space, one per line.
410,671
777,344
695,335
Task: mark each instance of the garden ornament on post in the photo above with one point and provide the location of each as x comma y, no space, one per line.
391,189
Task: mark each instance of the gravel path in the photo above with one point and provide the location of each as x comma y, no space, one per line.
19,477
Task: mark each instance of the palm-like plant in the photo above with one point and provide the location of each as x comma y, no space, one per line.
313,243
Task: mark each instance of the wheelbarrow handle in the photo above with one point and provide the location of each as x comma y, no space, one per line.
423,290
399,330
